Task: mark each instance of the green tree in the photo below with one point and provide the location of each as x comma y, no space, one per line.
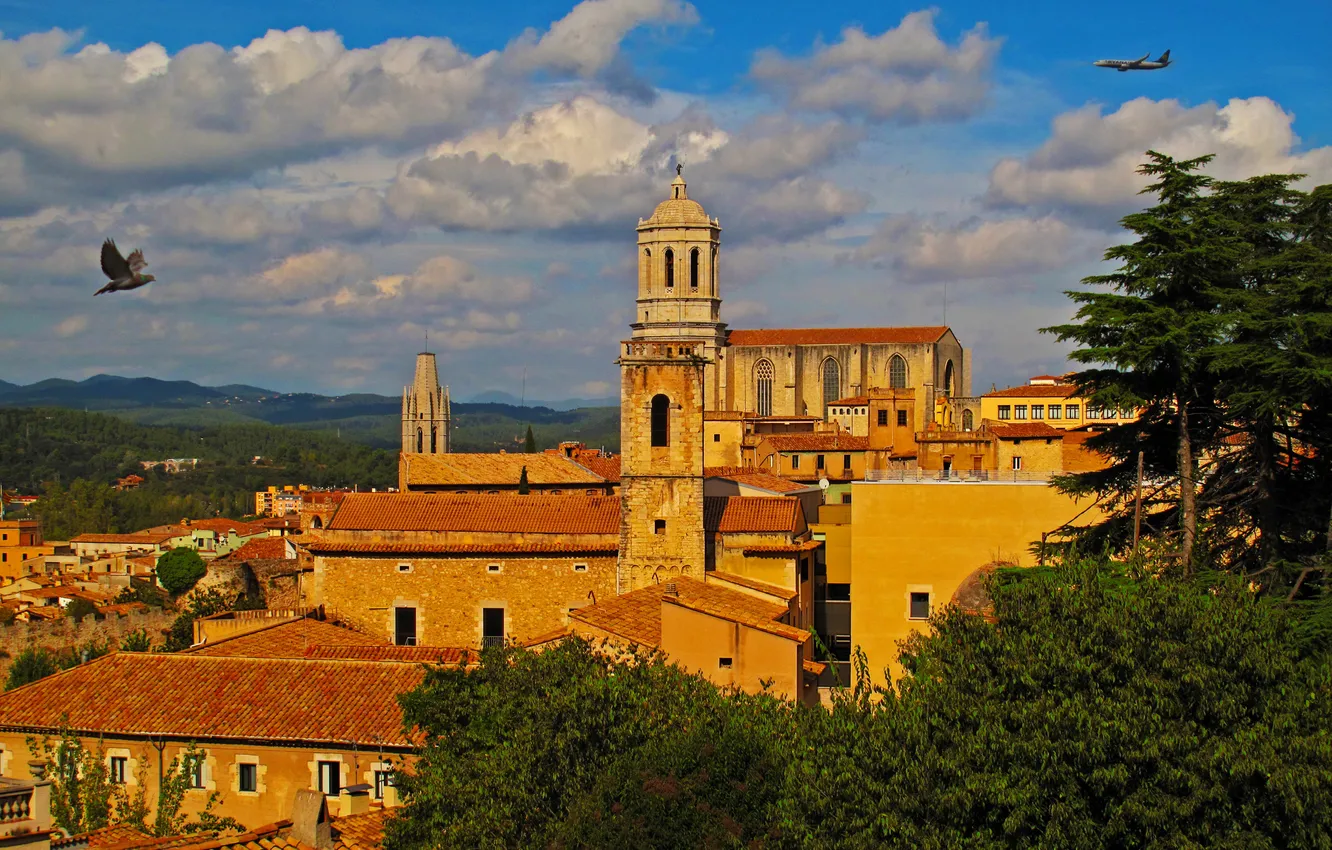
137,641
31,664
529,444
203,604
81,789
180,569
177,780
523,487
79,608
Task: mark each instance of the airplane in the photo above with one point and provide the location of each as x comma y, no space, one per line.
1135,64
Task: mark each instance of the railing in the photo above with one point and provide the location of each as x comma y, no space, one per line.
925,476
491,640
15,805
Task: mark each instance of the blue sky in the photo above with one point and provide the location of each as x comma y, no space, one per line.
314,198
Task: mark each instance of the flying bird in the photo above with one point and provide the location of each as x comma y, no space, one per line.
124,274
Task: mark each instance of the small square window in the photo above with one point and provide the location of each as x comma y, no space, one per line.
901,419
846,498
1017,463
196,771
883,417
920,606
247,776
795,461
659,526
716,438
1005,411
580,568
119,764
724,663
493,568
404,568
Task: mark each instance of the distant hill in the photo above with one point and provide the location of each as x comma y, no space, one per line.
500,397
367,418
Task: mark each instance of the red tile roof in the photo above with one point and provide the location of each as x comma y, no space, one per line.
608,467
142,538
202,698
839,441
852,401
286,639
836,336
421,654
493,469
793,549
741,514
354,832
755,478
107,836
263,548
1024,430
501,512
1038,391
773,590
333,547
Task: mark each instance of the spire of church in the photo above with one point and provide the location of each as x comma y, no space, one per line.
426,410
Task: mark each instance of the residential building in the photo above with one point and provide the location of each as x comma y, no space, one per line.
22,549
1048,399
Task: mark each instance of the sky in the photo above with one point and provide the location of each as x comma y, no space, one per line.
318,185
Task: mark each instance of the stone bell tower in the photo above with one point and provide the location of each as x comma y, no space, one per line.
668,372
426,414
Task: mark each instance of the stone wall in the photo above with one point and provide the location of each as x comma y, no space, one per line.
63,633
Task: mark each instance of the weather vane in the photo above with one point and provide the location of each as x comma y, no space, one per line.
679,167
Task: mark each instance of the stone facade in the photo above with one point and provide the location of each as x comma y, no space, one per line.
426,411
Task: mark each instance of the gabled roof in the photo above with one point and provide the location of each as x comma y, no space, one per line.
742,514
607,466
142,538
286,639
851,401
752,477
449,655
262,548
492,469
837,336
1024,430
1035,391
204,698
499,512
838,441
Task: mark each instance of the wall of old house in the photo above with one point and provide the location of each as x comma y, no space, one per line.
536,592
722,439
699,642
1039,455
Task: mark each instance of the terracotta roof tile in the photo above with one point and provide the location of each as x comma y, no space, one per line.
333,547
839,441
740,514
264,548
485,469
360,832
1024,430
447,655
502,512
851,401
1038,391
107,836
815,667
286,639
755,478
836,336
636,616
793,549
206,698
753,584
607,466
143,538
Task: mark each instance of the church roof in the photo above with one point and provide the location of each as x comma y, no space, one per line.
836,336
496,512
479,469
678,210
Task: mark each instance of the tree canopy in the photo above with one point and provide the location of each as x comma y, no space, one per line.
180,569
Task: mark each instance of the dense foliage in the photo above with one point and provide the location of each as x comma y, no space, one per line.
38,662
180,569
1095,709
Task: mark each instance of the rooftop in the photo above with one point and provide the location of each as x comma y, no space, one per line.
203,698
851,401
262,548
491,469
1035,391
501,512
741,514
1024,430
143,538
839,441
837,336
286,639
752,477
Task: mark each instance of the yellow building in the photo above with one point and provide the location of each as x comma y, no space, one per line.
914,542
1048,399
22,549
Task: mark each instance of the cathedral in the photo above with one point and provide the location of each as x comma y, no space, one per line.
426,418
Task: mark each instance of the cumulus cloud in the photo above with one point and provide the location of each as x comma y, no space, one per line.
1089,163
71,326
587,40
906,74
927,250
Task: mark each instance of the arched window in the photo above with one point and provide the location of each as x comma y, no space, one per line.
434,438
420,441
647,267
763,387
670,269
897,373
948,379
661,420
832,383
712,270
693,269
318,523
966,420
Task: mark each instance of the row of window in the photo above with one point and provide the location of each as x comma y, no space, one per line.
492,569
247,776
819,462
669,257
405,634
832,381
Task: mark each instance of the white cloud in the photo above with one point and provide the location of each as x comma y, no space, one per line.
594,389
587,40
906,74
1090,161
927,250
71,326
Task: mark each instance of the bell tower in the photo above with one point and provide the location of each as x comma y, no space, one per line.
668,373
426,411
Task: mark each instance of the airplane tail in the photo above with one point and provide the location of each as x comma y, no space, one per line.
1165,58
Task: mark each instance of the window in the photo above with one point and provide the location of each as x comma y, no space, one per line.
647,270
897,373
713,271
492,626
119,764
693,269
920,606
818,462
1017,463
661,420
846,498
1038,411
383,779
763,387
1019,411
804,570
724,663
580,568
493,568
832,382
716,438
839,592
967,420
434,439
404,568
404,626
196,772
247,776
670,269
948,379
883,418
841,647
1070,411
420,441
795,461
330,777
901,418
846,461
659,526
1005,411
1055,410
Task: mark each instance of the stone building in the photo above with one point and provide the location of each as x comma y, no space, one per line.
426,412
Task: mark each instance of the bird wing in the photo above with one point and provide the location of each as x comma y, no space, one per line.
136,260
114,265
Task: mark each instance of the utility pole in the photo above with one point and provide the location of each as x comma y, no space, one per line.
1137,508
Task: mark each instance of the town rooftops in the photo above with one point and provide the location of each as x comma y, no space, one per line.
286,639
751,514
142,538
752,477
1035,391
1024,430
219,526
499,512
489,469
837,336
838,441
204,698
851,401
607,466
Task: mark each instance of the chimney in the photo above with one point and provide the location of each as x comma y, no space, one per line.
354,800
309,820
671,589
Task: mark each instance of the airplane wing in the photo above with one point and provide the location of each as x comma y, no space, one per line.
1141,60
